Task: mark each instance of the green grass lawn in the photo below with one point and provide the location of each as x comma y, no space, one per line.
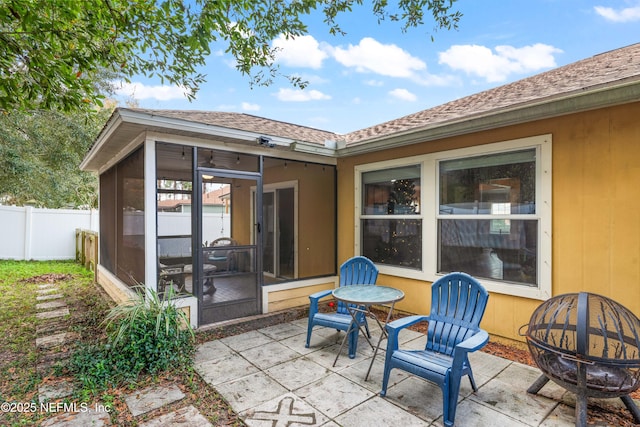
88,306
19,280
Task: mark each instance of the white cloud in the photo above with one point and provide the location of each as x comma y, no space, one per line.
628,14
313,79
298,95
496,67
384,59
141,91
303,51
373,82
246,106
403,94
436,80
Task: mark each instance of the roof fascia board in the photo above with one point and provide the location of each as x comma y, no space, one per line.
574,103
302,147
110,127
251,149
124,152
147,119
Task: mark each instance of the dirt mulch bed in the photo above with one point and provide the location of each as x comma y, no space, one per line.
48,278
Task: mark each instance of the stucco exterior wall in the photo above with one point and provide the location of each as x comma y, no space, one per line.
596,210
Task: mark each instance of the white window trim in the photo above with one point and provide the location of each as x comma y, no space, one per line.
429,211
389,164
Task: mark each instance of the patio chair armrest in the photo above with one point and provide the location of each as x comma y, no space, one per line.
315,298
405,322
471,344
320,295
394,328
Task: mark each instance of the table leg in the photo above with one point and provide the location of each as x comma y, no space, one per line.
383,335
354,322
366,312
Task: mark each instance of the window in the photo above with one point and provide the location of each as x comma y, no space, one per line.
484,210
390,218
487,223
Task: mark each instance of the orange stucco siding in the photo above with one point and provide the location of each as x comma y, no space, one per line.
596,210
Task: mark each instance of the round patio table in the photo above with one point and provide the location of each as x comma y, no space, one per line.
359,299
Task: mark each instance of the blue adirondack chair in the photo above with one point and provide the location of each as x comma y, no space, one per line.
458,302
358,270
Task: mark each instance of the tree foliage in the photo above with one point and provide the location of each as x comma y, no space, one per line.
40,152
51,50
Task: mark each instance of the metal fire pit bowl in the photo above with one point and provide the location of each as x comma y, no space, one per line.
589,345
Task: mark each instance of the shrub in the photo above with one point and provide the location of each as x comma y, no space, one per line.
147,335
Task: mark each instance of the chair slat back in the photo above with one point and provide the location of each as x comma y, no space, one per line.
458,302
358,270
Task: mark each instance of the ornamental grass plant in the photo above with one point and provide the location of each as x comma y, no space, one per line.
147,335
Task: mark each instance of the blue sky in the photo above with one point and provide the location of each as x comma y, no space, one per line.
377,73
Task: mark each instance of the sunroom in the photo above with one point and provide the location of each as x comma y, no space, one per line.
220,209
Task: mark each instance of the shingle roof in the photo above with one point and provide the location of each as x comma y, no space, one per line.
601,70
247,122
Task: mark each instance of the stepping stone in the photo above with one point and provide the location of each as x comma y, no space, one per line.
50,305
54,391
49,360
188,416
46,285
51,326
54,340
90,417
152,398
48,297
47,291
53,314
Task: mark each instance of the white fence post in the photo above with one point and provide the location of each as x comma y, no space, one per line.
28,218
94,223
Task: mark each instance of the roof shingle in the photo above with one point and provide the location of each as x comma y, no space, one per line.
247,122
605,69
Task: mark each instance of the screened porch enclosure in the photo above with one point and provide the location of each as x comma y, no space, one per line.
230,223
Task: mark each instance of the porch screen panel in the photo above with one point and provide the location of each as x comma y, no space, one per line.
108,220
130,225
301,237
174,196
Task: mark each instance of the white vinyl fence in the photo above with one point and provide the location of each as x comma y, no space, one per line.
28,233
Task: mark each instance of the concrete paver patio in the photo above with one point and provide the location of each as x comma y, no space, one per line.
270,378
